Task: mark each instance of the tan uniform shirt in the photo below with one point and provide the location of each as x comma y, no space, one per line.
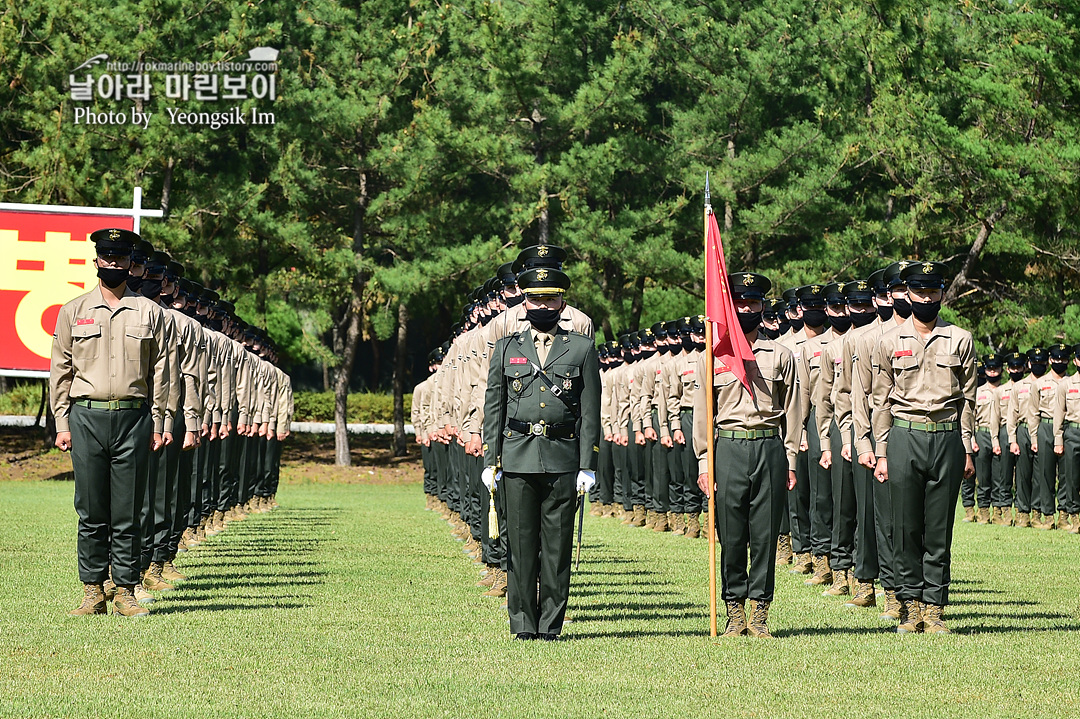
771,406
825,394
101,353
988,412
1022,409
1004,394
189,351
862,385
1042,398
1066,406
642,392
928,380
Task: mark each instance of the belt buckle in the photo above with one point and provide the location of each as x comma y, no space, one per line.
114,404
538,430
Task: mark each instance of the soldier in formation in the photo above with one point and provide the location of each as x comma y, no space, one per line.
174,410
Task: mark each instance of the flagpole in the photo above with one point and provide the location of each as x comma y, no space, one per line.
709,409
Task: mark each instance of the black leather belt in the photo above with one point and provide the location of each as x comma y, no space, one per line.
564,430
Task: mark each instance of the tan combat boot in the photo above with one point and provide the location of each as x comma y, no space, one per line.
200,535
152,580
142,596
892,606
693,526
489,579
1063,521
169,573
784,554
660,523
1074,524
678,523
109,587
125,604
273,501
736,620
1023,519
93,602
498,587
627,516
822,573
997,517
984,515
865,596
650,519
758,625
933,620
969,514
219,521
840,585
639,516
803,563
911,621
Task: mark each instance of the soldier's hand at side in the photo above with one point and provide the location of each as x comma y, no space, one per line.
845,452
679,436
868,460
969,467
1059,449
166,439
1034,448
624,440
666,441
792,479
190,441
974,446
281,436
155,442
213,432
473,446
881,474
703,484
63,441
223,430
639,438
803,446
650,434
608,437
205,430
997,450
826,459
1015,448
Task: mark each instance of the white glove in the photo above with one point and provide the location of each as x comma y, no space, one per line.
586,478
490,477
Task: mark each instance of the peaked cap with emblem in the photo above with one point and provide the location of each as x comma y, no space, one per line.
114,241
791,296
157,262
543,281
506,274
858,291
892,273
994,361
834,294
924,275
1037,354
877,281
550,256
812,293
143,250
1060,351
1016,359
749,285
697,324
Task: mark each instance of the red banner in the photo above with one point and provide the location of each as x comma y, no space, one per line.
729,343
47,261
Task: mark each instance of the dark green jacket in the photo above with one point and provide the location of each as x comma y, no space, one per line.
515,391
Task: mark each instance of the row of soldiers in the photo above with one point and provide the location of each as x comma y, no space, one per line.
174,410
1027,441
870,360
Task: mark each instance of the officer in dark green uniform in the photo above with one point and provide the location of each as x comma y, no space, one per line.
542,431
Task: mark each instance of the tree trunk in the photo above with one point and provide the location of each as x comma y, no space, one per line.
345,345
166,186
961,282
325,378
400,443
729,210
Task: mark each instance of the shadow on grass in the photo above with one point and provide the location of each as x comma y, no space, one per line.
261,563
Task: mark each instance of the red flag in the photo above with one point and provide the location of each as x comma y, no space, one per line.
729,342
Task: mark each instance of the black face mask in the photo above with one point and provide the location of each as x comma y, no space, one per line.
902,307
1038,368
542,318
784,326
112,277
484,319
688,344
151,290
796,324
994,380
770,333
814,318
840,324
980,380
1016,376
925,311
647,352
862,319
749,321
699,346
884,312
1060,367
515,300
134,283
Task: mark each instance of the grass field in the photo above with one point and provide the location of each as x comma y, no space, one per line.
351,600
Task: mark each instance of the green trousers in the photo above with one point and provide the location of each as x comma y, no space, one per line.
845,507
1070,471
925,469
821,501
751,496
985,459
1045,472
1001,490
111,457
540,511
798,500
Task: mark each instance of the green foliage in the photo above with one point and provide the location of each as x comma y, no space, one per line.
23,398
364,407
